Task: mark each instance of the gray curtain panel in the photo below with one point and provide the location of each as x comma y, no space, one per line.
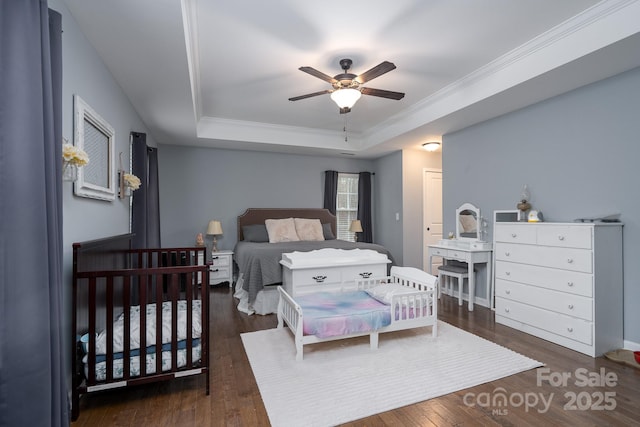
34,366
364,207
330,190
145,216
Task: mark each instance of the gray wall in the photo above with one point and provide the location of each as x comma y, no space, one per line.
577,152
85,74
388,201
413,164
201,184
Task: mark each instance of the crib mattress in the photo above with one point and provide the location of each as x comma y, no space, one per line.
328,314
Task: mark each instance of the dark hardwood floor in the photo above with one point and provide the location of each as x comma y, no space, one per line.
235,399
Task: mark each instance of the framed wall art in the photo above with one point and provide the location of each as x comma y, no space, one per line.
95,136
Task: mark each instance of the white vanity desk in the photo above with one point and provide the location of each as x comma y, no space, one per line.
470,253
467,247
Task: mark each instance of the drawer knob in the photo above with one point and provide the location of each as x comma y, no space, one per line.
508,273
514,235
506,310
508,292
570,284
560,237
570,329
215,270
366,274
570,260
319,279
570,306
215,257
507,253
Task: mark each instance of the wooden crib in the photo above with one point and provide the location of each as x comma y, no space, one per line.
119,296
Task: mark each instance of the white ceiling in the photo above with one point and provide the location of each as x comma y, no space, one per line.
218,73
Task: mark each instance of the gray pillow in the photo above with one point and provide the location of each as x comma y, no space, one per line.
255,233
328,233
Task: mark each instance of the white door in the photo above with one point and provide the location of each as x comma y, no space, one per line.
432,211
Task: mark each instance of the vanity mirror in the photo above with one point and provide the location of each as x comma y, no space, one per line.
468,222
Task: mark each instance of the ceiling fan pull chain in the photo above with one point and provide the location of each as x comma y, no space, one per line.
346,139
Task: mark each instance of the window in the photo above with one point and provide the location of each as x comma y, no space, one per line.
346,204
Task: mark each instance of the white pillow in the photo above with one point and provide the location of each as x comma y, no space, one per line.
281,230
308,229
386,291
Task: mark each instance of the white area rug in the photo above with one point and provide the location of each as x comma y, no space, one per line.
344,380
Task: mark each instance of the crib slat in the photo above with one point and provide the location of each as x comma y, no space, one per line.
160,279
126,350
175,282
142,287
92,331
109,327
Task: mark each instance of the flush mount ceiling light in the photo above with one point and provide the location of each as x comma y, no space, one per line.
431,146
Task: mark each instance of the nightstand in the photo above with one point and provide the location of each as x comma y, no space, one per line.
221,268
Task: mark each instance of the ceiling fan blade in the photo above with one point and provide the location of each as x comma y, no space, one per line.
378,70
318,74
382,93
309,95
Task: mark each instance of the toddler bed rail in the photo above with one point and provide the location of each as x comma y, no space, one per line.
139,315
409,293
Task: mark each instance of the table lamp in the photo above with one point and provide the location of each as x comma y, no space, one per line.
355,227
214,229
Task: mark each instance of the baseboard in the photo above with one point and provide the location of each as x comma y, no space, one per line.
630,345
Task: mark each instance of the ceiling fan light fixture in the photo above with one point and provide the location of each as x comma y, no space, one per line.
346,98
431,146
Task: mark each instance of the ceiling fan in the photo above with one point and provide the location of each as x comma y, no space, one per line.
346,86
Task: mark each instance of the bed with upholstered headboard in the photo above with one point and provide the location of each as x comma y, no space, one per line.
258,258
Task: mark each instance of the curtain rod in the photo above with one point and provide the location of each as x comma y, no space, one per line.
354,173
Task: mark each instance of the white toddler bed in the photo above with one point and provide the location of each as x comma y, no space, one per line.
404,300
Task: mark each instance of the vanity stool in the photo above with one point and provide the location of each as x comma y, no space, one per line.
446,273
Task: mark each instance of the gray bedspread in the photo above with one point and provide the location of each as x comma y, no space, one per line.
259,263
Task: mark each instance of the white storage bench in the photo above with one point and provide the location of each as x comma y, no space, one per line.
330,269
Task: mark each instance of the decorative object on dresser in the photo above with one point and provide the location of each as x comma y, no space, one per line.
467,248
561,282
221,268
199,240
524,205
330,269
214,229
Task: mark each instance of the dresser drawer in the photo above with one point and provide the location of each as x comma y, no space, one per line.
438,252
563,258
351,274
524,233
573,282
216,273
560,302
565,236
556,323
221,260
316,276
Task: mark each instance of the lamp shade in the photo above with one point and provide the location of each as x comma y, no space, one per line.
345,98
356,226
214,228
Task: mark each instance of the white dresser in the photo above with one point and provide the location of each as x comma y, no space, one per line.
561,282
330,269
